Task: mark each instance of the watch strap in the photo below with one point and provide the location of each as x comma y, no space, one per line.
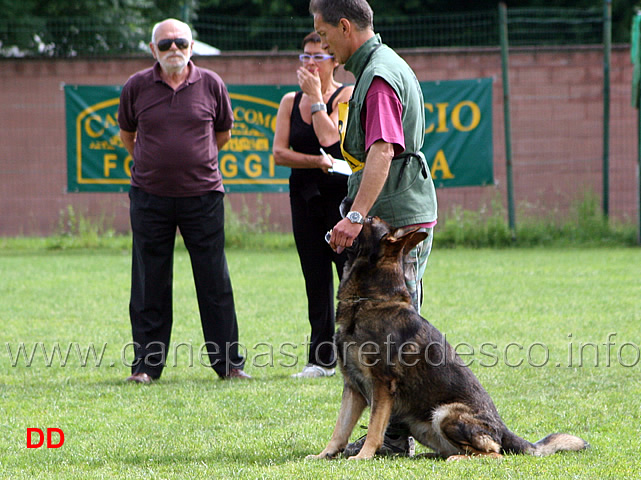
318,107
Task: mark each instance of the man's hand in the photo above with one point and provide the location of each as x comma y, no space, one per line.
343,235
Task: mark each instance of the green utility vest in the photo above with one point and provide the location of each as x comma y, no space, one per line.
408,196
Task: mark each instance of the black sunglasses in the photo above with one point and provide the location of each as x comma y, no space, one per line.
165,44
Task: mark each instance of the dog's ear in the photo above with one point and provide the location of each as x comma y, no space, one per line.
345,206
406,238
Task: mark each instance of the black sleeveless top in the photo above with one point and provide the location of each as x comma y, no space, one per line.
302,139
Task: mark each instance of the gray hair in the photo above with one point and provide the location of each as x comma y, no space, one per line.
356,11
183,24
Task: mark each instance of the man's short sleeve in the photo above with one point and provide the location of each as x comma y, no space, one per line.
224,115
126,117
381,116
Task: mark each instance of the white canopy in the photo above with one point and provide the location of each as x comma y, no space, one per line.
202,48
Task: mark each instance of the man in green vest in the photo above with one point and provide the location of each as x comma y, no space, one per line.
382,131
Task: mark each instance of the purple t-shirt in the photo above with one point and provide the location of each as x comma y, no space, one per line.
381,116
175,153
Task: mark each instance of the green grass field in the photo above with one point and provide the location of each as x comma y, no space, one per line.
534,324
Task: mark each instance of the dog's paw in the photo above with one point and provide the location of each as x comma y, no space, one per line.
457,458
361,456
320,456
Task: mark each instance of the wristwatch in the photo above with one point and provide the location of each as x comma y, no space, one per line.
354,217
318,107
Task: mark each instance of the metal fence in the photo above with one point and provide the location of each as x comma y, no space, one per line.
554,26
115,36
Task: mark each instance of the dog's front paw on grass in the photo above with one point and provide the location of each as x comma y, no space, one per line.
322,456
360,457
364,454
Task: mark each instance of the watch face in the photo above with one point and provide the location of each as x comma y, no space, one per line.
355,217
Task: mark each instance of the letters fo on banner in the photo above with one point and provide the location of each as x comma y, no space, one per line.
458,137
98,162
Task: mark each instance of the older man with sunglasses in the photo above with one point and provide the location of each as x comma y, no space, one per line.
174,118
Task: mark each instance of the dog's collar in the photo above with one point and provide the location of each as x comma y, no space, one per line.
355,299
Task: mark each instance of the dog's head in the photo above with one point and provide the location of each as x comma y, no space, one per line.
380,246
390,243
378,243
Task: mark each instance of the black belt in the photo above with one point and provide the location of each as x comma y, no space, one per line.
407,157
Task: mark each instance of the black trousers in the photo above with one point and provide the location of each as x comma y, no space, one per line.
201,220
312,216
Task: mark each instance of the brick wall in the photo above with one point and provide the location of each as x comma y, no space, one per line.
556,110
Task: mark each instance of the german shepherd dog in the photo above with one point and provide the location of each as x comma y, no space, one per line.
400,365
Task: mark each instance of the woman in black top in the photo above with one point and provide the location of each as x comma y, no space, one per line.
308,121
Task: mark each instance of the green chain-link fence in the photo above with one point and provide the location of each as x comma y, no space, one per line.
85,37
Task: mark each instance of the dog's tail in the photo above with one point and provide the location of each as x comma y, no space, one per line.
553,443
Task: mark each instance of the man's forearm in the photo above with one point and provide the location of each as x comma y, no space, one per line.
128,140
222,138
375,172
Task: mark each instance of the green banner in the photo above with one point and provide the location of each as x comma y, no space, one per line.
458,137
247,162
96,158
458,132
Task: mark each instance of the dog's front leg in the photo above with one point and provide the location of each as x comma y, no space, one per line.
382,402
352,406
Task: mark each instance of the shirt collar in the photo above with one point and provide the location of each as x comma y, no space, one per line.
357,62
194,73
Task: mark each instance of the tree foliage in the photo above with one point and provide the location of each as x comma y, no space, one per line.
114,26
101,26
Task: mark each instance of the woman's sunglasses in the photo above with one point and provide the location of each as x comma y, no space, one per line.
318,57
165,44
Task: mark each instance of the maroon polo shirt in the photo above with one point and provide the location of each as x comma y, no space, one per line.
175,153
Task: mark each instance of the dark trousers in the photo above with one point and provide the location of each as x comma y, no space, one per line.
154,221
312,217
